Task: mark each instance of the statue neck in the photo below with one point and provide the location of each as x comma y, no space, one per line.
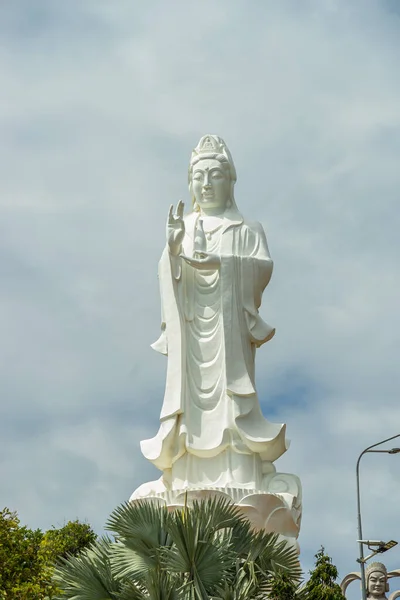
212,212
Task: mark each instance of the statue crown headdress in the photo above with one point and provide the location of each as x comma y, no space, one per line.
209,143
376,566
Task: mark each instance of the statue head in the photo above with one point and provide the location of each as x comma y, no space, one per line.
377,580
212,175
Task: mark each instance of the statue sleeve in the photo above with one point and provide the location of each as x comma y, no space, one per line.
256,268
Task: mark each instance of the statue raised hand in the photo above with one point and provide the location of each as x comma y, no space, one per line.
175,228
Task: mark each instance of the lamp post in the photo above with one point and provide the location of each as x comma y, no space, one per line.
360,537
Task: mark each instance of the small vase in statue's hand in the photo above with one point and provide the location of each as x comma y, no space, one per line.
200,242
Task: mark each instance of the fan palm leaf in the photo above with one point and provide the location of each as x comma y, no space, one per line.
143,525
201,548
141,530
156,588
88,576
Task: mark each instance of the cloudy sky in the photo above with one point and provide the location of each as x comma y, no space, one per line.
101,103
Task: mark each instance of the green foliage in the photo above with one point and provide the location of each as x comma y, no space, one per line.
27,556
208,551
70,539
284,588
19,568
88,576
321,585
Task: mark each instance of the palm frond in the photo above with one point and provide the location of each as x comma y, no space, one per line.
240,588
273,555
157,586
216,514
88,576
141,520
165,586
162,588
242,535
200,549
131,591
142,528
130,564
278,556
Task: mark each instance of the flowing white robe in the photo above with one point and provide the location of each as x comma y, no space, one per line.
212,429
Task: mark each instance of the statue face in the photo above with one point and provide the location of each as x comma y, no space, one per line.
210,184
376,585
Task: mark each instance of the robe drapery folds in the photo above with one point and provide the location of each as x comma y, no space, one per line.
212,405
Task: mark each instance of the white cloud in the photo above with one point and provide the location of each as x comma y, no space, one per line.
101,104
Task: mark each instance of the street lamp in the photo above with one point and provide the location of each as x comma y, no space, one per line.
382,547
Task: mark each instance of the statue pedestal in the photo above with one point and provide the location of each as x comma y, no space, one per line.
275,509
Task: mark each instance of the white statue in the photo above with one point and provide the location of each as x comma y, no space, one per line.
212,274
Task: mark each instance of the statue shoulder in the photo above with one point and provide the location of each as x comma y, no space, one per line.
254,226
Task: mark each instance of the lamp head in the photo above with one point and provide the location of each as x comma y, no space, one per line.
387,546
